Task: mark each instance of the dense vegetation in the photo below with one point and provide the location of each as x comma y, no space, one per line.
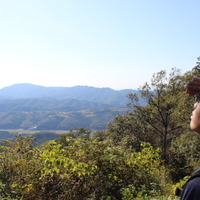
141,155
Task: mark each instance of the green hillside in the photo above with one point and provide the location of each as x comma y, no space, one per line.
55,120
32,107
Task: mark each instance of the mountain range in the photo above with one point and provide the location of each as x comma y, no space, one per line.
98,95
32,107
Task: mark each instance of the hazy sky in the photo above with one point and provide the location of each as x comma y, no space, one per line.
103,43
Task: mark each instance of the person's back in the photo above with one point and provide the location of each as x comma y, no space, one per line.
191,190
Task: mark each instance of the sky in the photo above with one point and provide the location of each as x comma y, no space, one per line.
118,44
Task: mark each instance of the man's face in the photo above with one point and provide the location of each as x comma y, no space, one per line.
195,118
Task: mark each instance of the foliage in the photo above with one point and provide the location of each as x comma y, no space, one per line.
181,183
184,155
19,167
163,121
188,145
84,169
161,117
138,157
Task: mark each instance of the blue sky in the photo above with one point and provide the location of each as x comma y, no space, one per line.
102,43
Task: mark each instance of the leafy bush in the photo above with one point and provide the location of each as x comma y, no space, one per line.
83,169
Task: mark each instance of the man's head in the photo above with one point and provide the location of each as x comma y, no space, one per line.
193,89
195,118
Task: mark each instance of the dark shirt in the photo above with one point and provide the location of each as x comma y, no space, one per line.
191,190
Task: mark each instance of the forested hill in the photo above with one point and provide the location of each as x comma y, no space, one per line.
48,104
92,94
27,106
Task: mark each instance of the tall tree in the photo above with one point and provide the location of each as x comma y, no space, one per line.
160,112
165,114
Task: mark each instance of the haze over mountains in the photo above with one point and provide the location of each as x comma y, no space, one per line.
98,95
33,107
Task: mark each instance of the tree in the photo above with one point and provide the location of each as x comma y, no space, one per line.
165,114
195,72
184,155
124,131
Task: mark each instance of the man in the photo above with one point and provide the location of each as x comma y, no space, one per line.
191,190
193,89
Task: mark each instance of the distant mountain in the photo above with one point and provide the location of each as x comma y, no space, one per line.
54,120
33,107
98,95
48,104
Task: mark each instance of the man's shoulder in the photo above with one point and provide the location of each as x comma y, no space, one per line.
194,179
194,182
191,190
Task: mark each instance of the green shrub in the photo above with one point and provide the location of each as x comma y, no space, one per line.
83,169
